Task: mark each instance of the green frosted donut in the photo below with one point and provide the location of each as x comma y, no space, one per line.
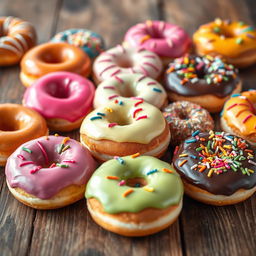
114,185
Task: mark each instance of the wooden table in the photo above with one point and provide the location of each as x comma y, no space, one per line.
201,229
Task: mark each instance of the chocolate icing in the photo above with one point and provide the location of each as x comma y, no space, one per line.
225,183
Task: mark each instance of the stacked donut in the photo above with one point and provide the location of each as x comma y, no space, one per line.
132,103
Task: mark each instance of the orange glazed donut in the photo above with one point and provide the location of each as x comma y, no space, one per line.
16,37
18,124
239,116
52,57
234,41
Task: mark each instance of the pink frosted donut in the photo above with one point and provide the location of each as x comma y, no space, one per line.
165,39
126,60
49,172
63,98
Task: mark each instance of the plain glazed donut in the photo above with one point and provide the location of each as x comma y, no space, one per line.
18,124
239,116
186,118
53,57
233,41
49,172
134,196
217,168
206,81
130,85
166,40
126,60
125,129
63,98
16,37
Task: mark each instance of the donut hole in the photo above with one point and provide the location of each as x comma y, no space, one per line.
60,89
56,56
12,123
183,116
156,34
124,61
136,182
119,118
227,33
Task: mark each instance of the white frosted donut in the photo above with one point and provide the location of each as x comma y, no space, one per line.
130,85
124,60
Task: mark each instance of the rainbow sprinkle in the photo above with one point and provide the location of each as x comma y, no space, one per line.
27,150
152,171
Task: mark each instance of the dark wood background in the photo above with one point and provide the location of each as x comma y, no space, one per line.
201,229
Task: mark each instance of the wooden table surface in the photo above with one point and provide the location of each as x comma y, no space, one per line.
200,229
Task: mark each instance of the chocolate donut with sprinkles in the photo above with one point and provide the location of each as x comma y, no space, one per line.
206,81
217,168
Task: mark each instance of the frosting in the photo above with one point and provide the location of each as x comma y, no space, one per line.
163,38
111,184
217,162
226,38
240,112
90,42
44,166
127,60
195,75
130,85
124,121
62,95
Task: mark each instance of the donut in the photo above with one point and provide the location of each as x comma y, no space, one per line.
186,118
126,60
216,168
18,124
49,172
62,98
17,36
206,81
90,42
130,85
233,41
124,128
140,196
53,57
239,116
166,40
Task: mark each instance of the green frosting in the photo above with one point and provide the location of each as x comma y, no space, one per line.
168,188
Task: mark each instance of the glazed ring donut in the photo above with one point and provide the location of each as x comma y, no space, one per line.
217,168
125,60
53,57
234,41
186,118
130,85
49,172
18,124
125,129
63,98
166,40
90,42
239,116
17,36
206,81
134,196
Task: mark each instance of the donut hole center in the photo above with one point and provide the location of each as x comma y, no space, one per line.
183,116
119,118
156,34
60,89
227,33
136,182
10,123
124,61
56,56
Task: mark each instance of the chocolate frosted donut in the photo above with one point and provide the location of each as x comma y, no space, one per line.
217,168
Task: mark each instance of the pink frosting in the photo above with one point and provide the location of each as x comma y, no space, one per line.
163,38
23,168
62,95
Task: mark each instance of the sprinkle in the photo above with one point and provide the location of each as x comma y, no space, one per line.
202,168
27,150
122,183
252,162
157,90
109,87
152,171
138,103
248,29
210,173
239,40
113,96
183,155
141,117
182,163
144,38
190,141
194,166
151,83
119,159
135,155
116,72
169,42
99,114
62,165
65,140
95,118
167,170
107,68
151,65
69,161
128,192
235,95
36,169
65,148
233,105
149,189
249,116
60,148
21,157
136,111
113,178
110,125
192,156
195,133
26,163
43,151
120,103
52,165
56,135
119,79
110,110
176,150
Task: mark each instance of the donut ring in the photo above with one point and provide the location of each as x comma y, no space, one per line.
234,41
90,42
132,85
239,116
18,124
69,96
49,172
53,57
126,60
217,168
137,197
17,36
125,129
185,118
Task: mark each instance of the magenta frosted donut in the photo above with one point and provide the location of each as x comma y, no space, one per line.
63,98
162,38
49,172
